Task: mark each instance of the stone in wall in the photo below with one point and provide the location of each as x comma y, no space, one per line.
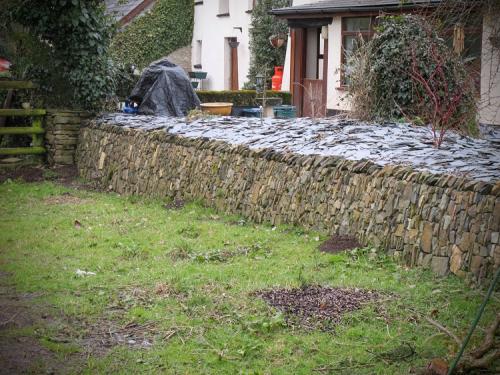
448,223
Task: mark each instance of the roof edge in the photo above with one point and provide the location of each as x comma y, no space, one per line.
329,10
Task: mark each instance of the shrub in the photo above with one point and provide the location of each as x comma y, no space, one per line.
407,71
73,37
240,98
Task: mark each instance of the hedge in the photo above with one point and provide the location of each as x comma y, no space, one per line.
240,97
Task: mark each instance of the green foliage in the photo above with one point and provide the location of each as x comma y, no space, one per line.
241,97
382,75
263,55
73,38
167,27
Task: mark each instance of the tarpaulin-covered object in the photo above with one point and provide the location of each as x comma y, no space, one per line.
164,89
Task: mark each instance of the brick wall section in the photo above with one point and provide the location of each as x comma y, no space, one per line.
61,137
444,222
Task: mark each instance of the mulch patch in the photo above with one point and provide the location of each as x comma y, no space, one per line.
336,244
312,304
177,204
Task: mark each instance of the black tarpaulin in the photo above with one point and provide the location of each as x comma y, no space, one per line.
164,89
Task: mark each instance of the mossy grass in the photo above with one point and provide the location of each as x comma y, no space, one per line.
182,272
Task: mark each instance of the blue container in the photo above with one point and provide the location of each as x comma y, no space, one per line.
130,107
251,112
285,111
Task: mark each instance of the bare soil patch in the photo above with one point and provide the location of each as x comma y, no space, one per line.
64,198
66,175
106,334
27,174
21,355
176,204
315,304
336,244
109,331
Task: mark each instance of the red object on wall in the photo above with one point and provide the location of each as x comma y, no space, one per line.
277,78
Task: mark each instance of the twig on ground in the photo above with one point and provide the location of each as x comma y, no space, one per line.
331,368
489,340
10,319
444,329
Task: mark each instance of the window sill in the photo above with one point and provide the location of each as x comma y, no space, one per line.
342,88
223,15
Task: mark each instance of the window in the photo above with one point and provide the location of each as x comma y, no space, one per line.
354,31
223,7
197,54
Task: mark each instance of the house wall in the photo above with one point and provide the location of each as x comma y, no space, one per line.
213,31
336,96
489,106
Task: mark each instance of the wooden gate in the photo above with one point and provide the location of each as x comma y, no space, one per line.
36,129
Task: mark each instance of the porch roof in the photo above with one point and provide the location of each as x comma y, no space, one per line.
327,7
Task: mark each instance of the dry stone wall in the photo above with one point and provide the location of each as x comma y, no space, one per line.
444,222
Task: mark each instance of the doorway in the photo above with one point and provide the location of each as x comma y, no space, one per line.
309,71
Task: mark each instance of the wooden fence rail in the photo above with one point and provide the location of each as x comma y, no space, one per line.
36,129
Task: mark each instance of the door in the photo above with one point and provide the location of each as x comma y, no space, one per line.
233,45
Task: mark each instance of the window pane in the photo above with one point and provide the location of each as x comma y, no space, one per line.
357,24
350,44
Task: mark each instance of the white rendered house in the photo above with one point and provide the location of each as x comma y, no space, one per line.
220,45
322,32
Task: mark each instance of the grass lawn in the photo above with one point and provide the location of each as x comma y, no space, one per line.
173,292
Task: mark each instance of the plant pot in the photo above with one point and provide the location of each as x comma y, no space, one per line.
198,75
277,41
220,109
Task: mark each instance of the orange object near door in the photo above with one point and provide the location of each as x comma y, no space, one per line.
277,78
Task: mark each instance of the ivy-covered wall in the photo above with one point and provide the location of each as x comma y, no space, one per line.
165,28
